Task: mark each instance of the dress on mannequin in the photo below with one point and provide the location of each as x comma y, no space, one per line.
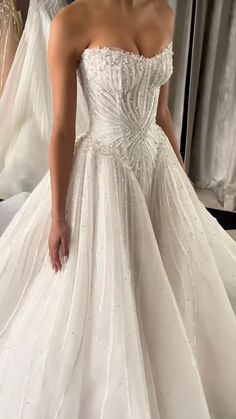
11,29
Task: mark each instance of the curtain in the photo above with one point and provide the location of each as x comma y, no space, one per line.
183,13
23,6
213,155
211,135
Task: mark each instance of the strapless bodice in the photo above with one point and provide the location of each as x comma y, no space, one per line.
122,89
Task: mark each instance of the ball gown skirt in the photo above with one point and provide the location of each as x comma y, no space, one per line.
140,322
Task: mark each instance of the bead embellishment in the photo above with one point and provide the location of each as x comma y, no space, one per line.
102,149
122,90
166,50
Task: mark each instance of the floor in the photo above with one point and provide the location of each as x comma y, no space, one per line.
232,233
210,201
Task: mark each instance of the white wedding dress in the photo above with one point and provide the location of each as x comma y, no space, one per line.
140,323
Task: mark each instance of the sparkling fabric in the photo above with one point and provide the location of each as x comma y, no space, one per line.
140,323
10,32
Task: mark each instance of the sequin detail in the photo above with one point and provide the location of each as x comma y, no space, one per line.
166,50
124,330
102,149
122,90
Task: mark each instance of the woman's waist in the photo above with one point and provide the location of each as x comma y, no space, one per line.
125,146
119,127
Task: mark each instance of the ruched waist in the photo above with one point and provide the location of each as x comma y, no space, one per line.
113,130
123,148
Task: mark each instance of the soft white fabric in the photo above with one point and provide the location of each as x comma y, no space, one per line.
9,207
138,323
26,101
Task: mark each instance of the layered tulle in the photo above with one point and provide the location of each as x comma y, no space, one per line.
27,99
9,207
200,261
124,330
106,331
140,322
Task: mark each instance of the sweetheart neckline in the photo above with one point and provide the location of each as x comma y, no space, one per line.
126,52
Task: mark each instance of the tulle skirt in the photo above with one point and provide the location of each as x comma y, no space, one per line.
140,322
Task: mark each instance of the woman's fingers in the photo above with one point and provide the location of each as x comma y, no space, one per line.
55,258
59,240
51,257
65,248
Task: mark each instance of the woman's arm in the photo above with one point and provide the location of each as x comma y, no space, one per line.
62,63
164,119
63,55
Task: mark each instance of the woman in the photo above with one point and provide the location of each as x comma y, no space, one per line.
134,319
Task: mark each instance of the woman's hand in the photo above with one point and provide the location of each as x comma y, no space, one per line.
59,240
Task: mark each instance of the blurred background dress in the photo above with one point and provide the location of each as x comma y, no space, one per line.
27,98
10,32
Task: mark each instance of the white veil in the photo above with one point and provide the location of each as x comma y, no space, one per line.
26,106
26,112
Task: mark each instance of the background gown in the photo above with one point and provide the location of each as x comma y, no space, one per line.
27,99
10,29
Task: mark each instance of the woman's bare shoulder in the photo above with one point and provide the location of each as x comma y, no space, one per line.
166,13
163,7
73,11
72,22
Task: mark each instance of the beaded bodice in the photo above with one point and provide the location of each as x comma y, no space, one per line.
122,90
